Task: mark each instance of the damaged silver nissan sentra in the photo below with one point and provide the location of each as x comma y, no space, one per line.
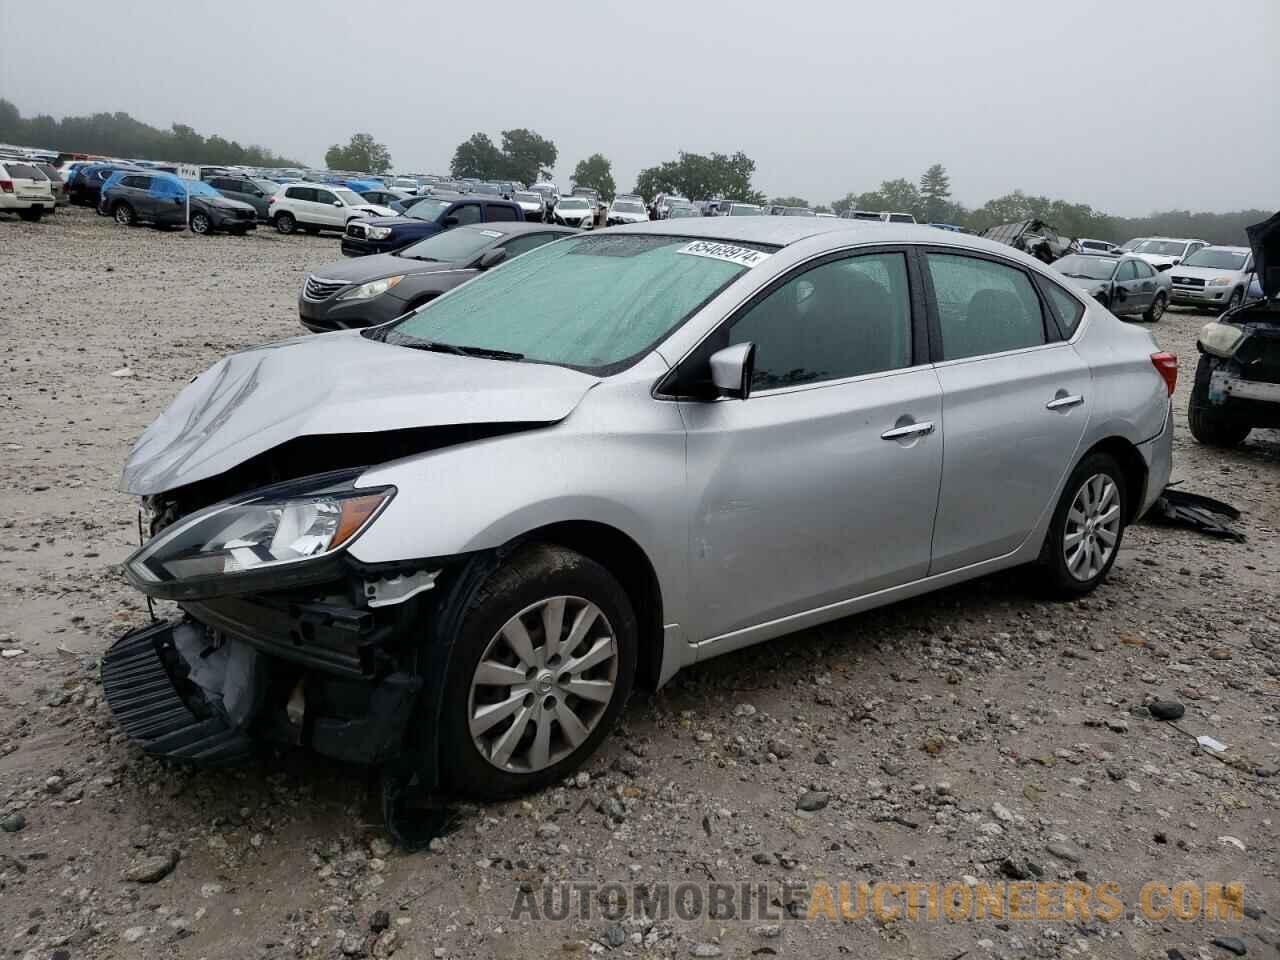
448,545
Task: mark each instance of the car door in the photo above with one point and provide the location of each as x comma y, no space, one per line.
822,485
461,214
1147,285
325,213
1126,295
500,212
1015,401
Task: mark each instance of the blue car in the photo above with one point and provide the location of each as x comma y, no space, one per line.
164,200
85,186
427,217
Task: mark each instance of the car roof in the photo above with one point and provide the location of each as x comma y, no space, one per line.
1230,248
781,231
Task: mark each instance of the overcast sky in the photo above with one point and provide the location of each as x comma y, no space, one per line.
1129,107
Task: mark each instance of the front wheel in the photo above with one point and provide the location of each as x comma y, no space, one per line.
124,214
542,667
201,224
285,223
1086,529
1213,424
1237,296
1157,308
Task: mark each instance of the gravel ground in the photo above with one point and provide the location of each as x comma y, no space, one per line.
978,733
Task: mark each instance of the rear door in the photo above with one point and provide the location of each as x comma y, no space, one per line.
1015,401
500,212
462,214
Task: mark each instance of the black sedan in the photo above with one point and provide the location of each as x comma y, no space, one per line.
366,291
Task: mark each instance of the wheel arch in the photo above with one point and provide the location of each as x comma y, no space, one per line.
1133,468
627,561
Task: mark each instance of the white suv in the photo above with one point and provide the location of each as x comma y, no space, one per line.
319,206
25,190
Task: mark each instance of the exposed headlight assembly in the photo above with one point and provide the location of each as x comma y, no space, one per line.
377,233
374,288
1219,282
1220,339
271,540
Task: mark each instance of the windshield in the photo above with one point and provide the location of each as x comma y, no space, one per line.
199,188
349,197
428,209
572,203
1086,268
452,246
1217,259
743,210
528,197
628,206
677,213
592,303
861,215
268,187
797,212
488,189
1131,244
1161,248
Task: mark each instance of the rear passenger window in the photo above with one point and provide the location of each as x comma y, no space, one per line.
300,193
523,244
498,212
983,307
1066,308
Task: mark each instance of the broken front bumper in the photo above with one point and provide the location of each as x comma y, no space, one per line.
241,670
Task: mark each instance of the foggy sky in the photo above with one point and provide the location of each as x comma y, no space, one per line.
1129,107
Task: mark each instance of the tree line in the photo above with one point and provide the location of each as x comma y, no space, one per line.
120,135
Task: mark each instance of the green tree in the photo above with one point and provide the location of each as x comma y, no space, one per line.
596,172
362,153
477,157
528,157
702,177
935,192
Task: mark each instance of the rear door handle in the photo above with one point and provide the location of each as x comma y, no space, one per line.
1060,403
910,430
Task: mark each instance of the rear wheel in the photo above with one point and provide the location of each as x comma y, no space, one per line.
1087,527
1157,308
285,223
542,667
31,215
1212,424
1237,295
124,214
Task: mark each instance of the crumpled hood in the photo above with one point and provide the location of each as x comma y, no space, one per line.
1264,240
373,210
334,383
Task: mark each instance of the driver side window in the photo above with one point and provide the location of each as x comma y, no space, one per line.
324,196
1128,271
843,318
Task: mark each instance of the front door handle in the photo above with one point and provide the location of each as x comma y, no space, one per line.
1061,403
910,430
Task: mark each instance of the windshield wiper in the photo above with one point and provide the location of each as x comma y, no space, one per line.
461,351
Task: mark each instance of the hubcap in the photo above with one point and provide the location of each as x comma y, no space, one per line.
1093,527
542,684
1158,311
122,215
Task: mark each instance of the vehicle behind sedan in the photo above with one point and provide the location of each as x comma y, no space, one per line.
451,544
1213,278
1164,252
626,210
164,200
427,217
366,291
1127,286
578,212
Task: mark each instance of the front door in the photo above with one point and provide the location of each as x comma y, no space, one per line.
329,210
1015,401
822,485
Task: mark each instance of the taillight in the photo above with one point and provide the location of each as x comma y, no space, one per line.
6,186
1166,365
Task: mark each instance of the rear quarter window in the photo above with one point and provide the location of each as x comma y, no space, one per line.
1067,310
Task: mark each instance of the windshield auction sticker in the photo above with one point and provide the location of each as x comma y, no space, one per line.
743,256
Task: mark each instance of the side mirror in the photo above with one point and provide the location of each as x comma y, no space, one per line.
732,369
490,258
450,221
337,203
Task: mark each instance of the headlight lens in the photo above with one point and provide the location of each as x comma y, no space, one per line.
374,288
377,233
242,537
1219,281
1221,338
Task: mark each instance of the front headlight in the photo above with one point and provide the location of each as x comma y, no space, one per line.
207,553
1220,339
377,233
1219,282
374,288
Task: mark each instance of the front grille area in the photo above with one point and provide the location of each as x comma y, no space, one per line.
317,288
1189,281
244,214
356,230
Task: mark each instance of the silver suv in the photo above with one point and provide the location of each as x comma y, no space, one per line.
453,542
1215,278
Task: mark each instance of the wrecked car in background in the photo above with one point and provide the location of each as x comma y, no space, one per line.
1237,384
1033,237
450,543
1127,286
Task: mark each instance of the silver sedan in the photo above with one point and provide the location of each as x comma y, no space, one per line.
610,458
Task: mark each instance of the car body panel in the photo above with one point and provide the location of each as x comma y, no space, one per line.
1211,286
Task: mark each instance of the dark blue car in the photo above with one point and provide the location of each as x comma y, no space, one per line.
427,217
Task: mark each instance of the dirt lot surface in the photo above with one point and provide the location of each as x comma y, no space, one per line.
978,736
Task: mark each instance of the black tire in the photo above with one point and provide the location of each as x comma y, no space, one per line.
1237,295
285,223
1157,308
1214,425
124,214
31,215
311,231
1053,573
531,574
201,223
